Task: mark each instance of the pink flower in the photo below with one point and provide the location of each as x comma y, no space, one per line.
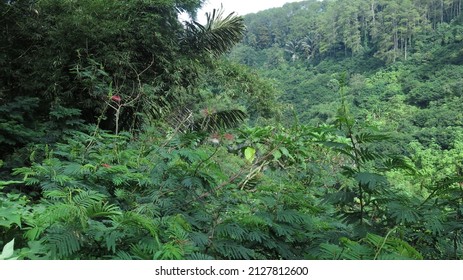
116,98
106,165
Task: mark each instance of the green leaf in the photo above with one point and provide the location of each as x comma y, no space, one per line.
199,256
8,217
250,154
217,36
371,138
276,155
7,251
330,251
392,248
399,162
370,179
403,213
99,209
6,183
63,241
286,152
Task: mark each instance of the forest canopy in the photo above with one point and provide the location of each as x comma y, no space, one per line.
319,130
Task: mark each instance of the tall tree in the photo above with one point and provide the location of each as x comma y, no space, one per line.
108,60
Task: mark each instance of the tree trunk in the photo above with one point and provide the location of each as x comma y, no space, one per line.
373,12
441,11
405,49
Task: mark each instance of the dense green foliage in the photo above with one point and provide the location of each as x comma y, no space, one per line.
402,60
126,134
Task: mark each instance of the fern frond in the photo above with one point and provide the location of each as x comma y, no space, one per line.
434,221
101,233
403,213
393,248
398,162
368,137
356,251
290,216
63,241
255,221
62,212
190,182
330,251
257,236
285,231
122,255
233,231
366,155
102,209
370,180
170,251
59,194
199,239
283,249
234,251
131,219
72,168
193,155
145,249
86,199
147,209
199,257
341,197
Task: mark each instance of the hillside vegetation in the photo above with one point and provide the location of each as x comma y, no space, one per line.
401,62
319,130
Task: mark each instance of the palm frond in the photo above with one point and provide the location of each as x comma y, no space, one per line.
220,120
217,36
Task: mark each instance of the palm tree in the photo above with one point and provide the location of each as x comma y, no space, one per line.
200,45
292,47
210,41
217,36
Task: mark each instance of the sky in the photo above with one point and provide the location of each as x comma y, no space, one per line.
241,7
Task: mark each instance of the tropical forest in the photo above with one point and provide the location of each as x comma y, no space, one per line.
319,130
